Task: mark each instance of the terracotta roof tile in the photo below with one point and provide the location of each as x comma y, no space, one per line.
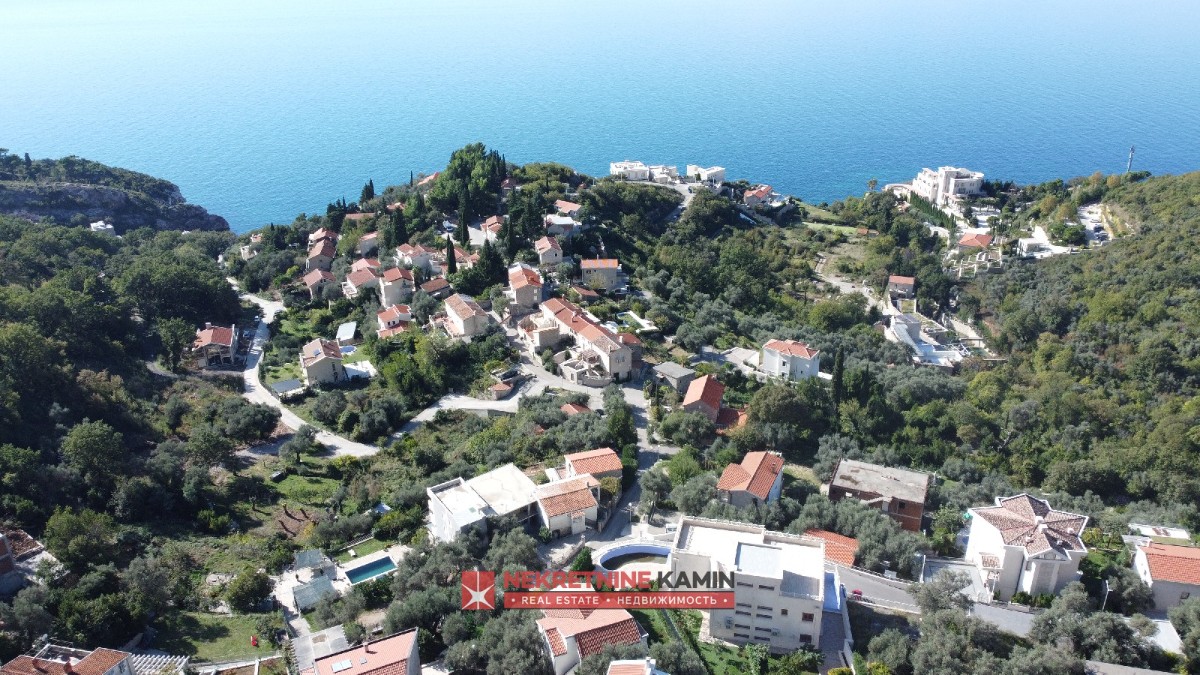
557,646
385,656
1178,564
792,348
317,276
395,274
567,496
361,277
602,460
365,264
214,335
595,640
705,389
323,247
463,306
902,281
756,474
564,206
434,285
574,409
520,277
599,263
1030,522
546,244
975,240
320,349
838,548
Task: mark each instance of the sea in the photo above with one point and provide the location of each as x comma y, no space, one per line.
264,109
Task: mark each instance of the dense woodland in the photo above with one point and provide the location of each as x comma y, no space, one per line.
131,479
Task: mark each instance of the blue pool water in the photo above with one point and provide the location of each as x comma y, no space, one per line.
370,570
349,349
262,110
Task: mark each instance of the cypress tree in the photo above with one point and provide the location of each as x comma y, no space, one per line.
410,179
838,375
463,234
368,192
451,263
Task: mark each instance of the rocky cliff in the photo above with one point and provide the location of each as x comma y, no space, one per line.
73,191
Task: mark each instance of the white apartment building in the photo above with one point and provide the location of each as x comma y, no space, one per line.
779,580
662,173
629,170
1021,544
946,184
790,360
458,505
715,174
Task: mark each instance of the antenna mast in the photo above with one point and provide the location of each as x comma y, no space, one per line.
1129,164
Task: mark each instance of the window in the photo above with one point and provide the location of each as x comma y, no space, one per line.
760,629
763,616
742,613
806,639
806,616
765,608
742,584
766,588
899,505
783,612
743,626
744,604
744,636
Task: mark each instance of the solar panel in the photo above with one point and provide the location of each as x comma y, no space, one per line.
339,666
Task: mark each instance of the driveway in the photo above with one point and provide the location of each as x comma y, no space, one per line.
256,392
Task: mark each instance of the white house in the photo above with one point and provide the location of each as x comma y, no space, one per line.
779,580
548,250
321,362
629,170
569,506
359,281
714,174
393,320
757,196
368,243
1172,572
395,286
458,505
663,173
790,360
572,635
101,227
464,317
560,226
413,256
565,208
1021,544
946,184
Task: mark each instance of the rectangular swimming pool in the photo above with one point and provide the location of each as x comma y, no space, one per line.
370,570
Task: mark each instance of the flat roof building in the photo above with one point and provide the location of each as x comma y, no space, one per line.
458,504
900,493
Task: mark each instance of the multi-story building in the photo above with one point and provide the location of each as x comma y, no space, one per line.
321,362
947,184
790,360
321,255
1172,572
901,286
524,288
663,173
704,396
565,208
601,273
464,317
215,345
570,505
629,170
757,196
757,479
458,505
712,174
316,280
572,635
548,250
392,655
900,493
1021,544
358,281
779,580
396,286
599,355
393,321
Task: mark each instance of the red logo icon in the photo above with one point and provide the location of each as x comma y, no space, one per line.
479,590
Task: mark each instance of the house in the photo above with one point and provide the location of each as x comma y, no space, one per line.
393,320
900,493
320,234
524,288
438,288
971,242
839,548
508,185
396,286
321,361
780,581
675,376
565,208
560,226
215,346
359,217
53,659
392,655
946,185
757,479
413,256
704,396
20,558
101,227
357,282
573,409
601,273
713,174
491,227
366,264
368,243
633,342
664,173
901,287
321,255
598,358
247,252
464,317
644,666
790,360
314,561
1021,544
569,506
600,463
458,505
317,280
629,170
758,196
548,250
1172,572
572,635
582,295
347,334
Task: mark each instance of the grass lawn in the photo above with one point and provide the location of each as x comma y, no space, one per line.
366,548
359,354
844,229
817,213
652,622
307,490
288,371
867,622
803,474
209,637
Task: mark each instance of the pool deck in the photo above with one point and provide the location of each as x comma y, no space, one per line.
395,552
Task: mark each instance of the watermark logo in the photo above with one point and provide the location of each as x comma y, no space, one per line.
478,590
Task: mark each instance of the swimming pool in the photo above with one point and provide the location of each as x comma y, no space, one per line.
370,570
349,349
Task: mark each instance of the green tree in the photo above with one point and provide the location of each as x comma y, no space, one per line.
368,192
943,592
583,561
96,450
247,590
1186,619
80,539
176,335
451,262
209,447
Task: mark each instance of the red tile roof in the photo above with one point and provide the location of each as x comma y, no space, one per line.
557,646
434,285
595,640
756,474
361,277
369,236
396,274
705,389
975,240
221,336
792,348
520,277
901,281
599,263
728,418
394,313
574,409
320,349
365,264
567,496
1030,522
1178,564
762,192
324,247
592,629
637,668
463,306
322,233
629,338
493,223
98,662
838,548
602,460
545,244
385,656
564,206
359,216
317,276
585,292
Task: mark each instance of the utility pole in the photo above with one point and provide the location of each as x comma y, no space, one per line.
1129,164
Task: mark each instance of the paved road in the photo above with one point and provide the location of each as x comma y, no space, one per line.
256,392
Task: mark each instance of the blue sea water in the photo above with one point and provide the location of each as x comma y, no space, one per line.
263,109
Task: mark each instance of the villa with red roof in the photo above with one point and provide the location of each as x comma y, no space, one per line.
321,255
366,264
396,286
902,287
464,317
321,362
391,655
413,256
758,479
704,396
215,345
572,409
1021,544
548,250
601,273
757,196
599,355
572,635
569,506
438,287
524,289
491,226
357,282
322,233
393,321
970,242
368,243
596,463
566,208
1172,572
790,360
317,280
53,659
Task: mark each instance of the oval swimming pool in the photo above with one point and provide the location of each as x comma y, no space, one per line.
631,554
